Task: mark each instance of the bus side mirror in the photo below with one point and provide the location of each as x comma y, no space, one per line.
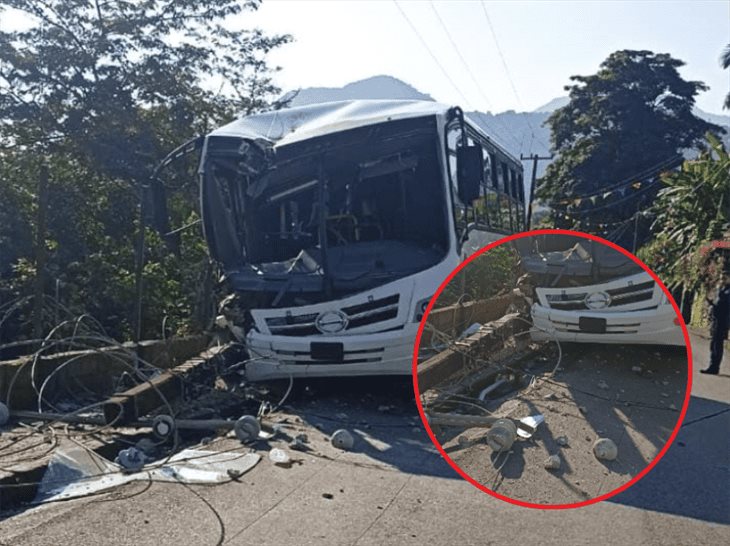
469,172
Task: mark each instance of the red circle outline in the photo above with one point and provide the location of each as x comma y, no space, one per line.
417,343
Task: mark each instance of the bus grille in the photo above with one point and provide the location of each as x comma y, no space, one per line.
625,295
362,314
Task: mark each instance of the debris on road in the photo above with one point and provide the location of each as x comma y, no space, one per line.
299,443
527,426
562,441
342,439
78,472
605,449
131,459
502,435
552,462
247,428
279,457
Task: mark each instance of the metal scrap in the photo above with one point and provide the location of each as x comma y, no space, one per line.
76,472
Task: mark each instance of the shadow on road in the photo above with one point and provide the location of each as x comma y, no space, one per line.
380,413
693,478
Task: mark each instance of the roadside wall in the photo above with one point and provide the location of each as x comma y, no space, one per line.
454,319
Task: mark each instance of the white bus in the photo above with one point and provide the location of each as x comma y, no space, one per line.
587,292
335,224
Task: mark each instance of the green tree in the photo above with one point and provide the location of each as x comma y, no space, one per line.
631,116
99,92
494,272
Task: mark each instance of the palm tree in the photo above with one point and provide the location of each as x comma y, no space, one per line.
725,63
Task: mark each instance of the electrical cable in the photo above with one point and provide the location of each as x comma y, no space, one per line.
507,72
471,75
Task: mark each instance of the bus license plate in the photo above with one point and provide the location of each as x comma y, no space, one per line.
592,325
327,352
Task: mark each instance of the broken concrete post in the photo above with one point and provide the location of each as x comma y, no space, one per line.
342,439
552,462
502,435
439,368
148,396
247,428
605,449
458,420
279,457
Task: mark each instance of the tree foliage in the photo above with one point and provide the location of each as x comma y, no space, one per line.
494,272
692,210
631,116
99,92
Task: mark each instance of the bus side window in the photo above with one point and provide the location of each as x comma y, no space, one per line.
515,200
453,141
482,205
494,191
504,197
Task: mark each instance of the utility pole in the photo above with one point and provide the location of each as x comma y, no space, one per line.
535,158
636,229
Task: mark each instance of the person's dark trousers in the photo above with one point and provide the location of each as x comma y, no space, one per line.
717,345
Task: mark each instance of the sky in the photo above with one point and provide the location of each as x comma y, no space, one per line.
448,50
542,44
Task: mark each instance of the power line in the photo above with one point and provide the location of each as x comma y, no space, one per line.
433,56
471,74
507,72
591,210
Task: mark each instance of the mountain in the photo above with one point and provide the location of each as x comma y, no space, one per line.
551,106
377,87
559,102
518,132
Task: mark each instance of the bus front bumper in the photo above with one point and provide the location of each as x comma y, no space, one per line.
655,326
384,353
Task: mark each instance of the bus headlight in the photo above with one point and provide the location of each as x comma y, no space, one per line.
421,309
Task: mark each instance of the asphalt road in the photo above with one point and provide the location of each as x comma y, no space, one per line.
393,488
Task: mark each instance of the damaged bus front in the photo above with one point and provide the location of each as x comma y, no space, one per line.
586,291
335,224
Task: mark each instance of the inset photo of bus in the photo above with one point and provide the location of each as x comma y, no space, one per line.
552,369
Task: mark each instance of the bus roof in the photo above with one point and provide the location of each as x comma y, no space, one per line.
290,125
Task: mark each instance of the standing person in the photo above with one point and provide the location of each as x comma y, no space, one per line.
720,315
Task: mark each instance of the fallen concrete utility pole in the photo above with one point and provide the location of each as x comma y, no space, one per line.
491,337
145,397
182,424
460,420
503,430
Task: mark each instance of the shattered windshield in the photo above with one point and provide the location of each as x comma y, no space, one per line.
368,201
